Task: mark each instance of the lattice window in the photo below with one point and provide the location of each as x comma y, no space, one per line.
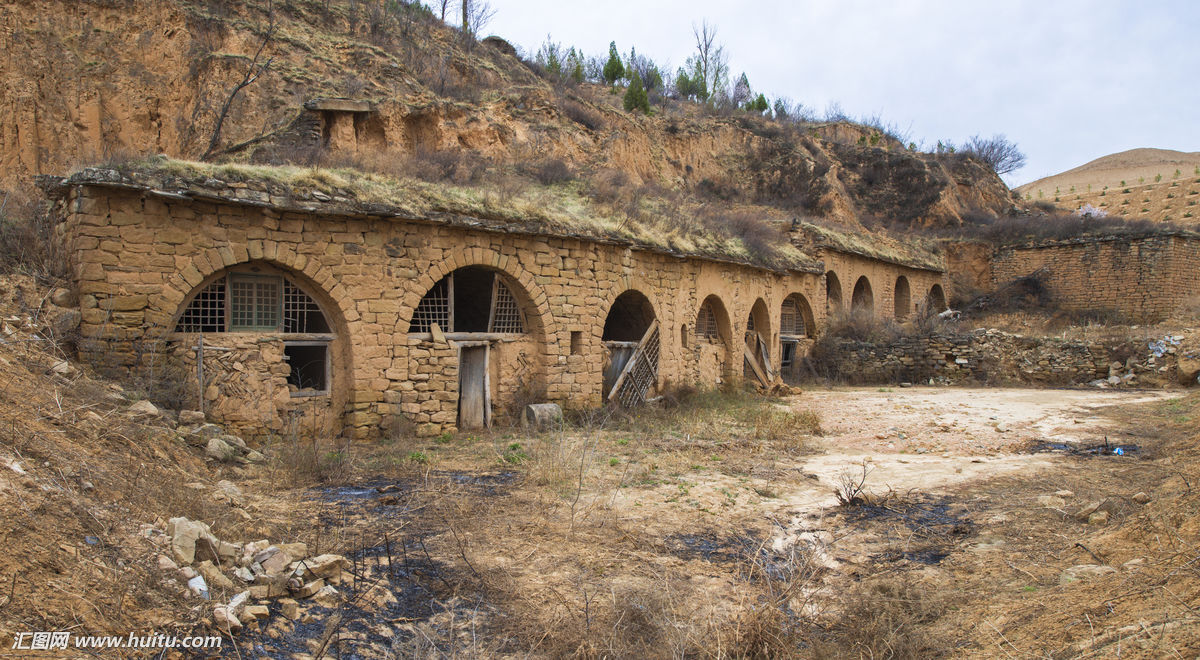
706,322
254,302
643,375
791,320
750,323
506,314
433,308
206,312
300,312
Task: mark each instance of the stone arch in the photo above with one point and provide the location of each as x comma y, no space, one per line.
320,391
714,347
315,279
798,320
529,295
833,294
935,300
758,337
477,303
902,303
862,301
630,315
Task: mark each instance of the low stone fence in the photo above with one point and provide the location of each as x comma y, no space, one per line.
995,357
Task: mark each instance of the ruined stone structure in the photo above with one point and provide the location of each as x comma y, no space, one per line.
280,314
1142,279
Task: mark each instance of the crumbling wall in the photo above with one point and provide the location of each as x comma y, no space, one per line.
882,277
1143,280
996,357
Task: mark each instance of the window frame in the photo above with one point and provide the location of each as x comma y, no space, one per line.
232,279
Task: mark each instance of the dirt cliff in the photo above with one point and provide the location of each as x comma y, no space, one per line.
97,81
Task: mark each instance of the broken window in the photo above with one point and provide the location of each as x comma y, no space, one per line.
470,299
308,364
206,313
788,356
706,322
794,317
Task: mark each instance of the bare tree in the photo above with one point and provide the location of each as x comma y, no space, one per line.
1003,156
475,15
445,4
254,71
711,61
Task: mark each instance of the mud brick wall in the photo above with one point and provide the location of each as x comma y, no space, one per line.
1143,280
137,257
881,279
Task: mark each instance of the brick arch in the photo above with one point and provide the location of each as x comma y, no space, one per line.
833,294
314,278
806,314
624,286
527,291
721,313
901,299
863,299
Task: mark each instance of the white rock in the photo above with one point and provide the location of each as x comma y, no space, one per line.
220,450
198,587
143,408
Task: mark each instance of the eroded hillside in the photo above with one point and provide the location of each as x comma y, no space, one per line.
100,81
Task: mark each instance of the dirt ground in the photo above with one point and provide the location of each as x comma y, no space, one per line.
671,535
852,522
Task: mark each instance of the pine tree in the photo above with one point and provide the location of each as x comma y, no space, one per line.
613,69
635,96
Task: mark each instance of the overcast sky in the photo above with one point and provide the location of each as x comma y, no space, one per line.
1067,80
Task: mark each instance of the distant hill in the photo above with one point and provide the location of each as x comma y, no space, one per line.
1158,184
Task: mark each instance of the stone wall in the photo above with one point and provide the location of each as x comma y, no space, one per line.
995,357
138,256
1143,280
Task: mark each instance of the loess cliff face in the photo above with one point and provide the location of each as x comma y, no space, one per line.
96,81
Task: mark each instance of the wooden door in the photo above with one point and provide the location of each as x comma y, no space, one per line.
619,353
474,400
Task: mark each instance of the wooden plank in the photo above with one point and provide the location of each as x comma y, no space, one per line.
472,384
632,359
753,362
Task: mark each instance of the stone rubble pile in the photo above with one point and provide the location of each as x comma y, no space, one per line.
257,573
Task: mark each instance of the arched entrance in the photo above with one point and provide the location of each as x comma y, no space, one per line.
480,313
833,294
863,301
796,328
268,351
902,304
631,340
935,300
712,342
757,355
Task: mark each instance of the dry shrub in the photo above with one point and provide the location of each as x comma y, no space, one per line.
306,461
861,326
762,238
887,617
719,189
550,171
582,115
609,186
26,237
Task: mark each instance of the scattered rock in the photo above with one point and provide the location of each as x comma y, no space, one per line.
326,566
191,540
227,491
326,597
242,573
1051,501
64,369
166,564
1001,427
234,441
1098,518
62,297
1084,572
1087,510
1065,494
309,589
214,576
273,560
295,550
191,418
143,408
1141,498
198,586
289,608
255,456
257,611
220,450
